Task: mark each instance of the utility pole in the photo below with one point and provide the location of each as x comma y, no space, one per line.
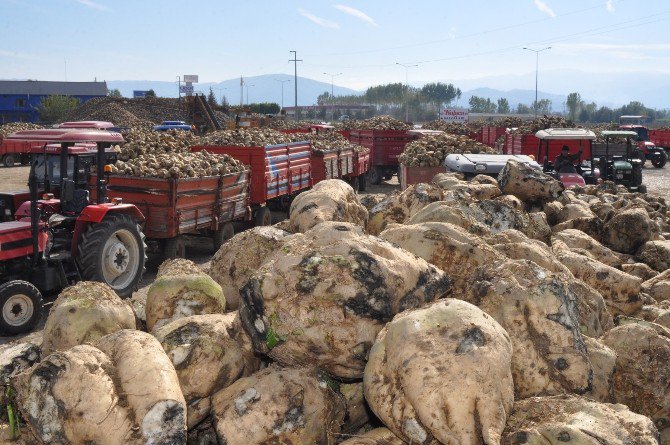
179,87
295,61
241,90
537,64
407,67
332,82
248,92
282,90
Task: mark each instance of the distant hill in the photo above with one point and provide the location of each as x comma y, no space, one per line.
266,88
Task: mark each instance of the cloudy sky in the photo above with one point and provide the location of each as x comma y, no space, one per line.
363,40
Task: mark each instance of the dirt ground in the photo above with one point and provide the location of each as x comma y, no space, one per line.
200,249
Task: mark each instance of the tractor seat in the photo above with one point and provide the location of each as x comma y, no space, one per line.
77,204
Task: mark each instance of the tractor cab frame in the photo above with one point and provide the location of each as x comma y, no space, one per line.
578,138
616,160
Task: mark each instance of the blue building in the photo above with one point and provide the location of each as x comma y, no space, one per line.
19,98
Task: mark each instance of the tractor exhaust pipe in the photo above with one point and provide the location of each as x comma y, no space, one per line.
34,216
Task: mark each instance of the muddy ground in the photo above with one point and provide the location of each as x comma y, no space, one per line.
200,249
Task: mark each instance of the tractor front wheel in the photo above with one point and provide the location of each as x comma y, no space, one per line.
22,307
113,252
639,154
660,159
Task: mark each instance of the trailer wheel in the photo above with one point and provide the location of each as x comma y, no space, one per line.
113,252
174,248
660,159
8,160
263,217
362,182
375,175
225,232
355,184
22,307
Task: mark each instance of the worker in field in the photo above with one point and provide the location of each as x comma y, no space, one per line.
565,161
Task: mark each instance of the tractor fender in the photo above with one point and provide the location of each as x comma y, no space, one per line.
94,214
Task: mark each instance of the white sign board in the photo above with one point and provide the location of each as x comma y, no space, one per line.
454,115
191,78
186,89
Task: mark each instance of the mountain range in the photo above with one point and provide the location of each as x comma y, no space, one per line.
608,89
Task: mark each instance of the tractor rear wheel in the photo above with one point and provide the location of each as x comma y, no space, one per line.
355,183
113,252
22,307
660,159
636,176
225,232
362,182
263,217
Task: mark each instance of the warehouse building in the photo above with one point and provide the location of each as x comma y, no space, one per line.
19,98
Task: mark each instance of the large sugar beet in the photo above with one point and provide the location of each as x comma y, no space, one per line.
449,247
282,406
576,420
329,200
656,254
628,230
442,374
124,391
358,413
658,287
620,290
182,289
323,297
642,373
539,311
399,208
603,360
83,313
241,256
576,239
527,183
14,359
378,436
209,352
446,212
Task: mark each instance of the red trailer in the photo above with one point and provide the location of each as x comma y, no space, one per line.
13,151
660,138
385,147
175,207
415,175
491,134
527,144
278,172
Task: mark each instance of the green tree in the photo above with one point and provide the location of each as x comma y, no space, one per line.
543,106
503,106
523,109
150,93
54,109
588,112
440,93
211,98
114,93
482,105
574,104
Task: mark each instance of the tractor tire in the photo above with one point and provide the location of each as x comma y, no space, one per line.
375,175
22,307
8,160
636,176
113,252
660,159
174,248
225,232
642,189
263,217
25,159
362,182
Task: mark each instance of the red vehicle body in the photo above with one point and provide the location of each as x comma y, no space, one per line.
91,125
647,146
526,144
491,134
660,138
413,175
385,147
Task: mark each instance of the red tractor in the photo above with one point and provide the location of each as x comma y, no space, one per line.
54,243
646,149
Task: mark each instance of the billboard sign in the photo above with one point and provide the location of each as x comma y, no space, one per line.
191,78
140,93
454,115
186,89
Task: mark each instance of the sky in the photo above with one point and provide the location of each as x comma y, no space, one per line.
365,41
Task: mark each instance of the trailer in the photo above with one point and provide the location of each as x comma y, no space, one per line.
15,151
660,138
385,147
491,134
527,144
174,207
278,173
414,175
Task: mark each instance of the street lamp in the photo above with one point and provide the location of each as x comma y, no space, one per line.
407,67
537,61
282,90
247,87
332,82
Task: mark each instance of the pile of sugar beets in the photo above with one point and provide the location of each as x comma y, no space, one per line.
482,312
